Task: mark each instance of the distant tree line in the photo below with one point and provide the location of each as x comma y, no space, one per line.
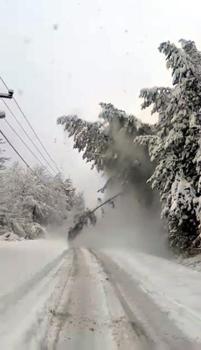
31,200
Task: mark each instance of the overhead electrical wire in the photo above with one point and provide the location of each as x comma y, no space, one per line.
19,155
30,125
28,136
24,143
36,135
15,150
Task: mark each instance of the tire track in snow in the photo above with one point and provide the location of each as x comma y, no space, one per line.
142,339
93,303
38,336
21,317
90,315
58,313
144,314
81,311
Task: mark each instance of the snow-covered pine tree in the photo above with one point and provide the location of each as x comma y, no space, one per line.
108,145
175,148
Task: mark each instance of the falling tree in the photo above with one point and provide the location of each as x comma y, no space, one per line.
122,147
108,145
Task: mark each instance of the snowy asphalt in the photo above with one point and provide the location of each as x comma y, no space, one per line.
113,299
102,307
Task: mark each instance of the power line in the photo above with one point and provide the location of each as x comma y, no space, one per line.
36,135
30,125
42,145
30,139
19,155
24,143
16,151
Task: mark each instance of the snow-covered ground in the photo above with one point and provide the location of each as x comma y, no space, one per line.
27,278
192,262
172,286
50,294
20,260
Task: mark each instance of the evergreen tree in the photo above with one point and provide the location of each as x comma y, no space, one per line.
175,147
108,144
173,144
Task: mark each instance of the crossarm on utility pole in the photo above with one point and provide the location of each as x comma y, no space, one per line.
7,95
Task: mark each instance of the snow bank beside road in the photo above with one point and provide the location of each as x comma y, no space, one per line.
20,260
175,288
28,276
192,262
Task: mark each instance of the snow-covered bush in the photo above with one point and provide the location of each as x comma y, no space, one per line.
35,230
31,200
2,158
17,228
10,236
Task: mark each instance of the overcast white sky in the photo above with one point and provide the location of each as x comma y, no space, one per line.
101,50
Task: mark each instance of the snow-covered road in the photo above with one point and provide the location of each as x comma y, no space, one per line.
89,299
29,273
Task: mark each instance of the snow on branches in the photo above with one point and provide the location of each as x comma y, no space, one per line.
2,159
88,217
176,148
123,147
29,201
108,143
